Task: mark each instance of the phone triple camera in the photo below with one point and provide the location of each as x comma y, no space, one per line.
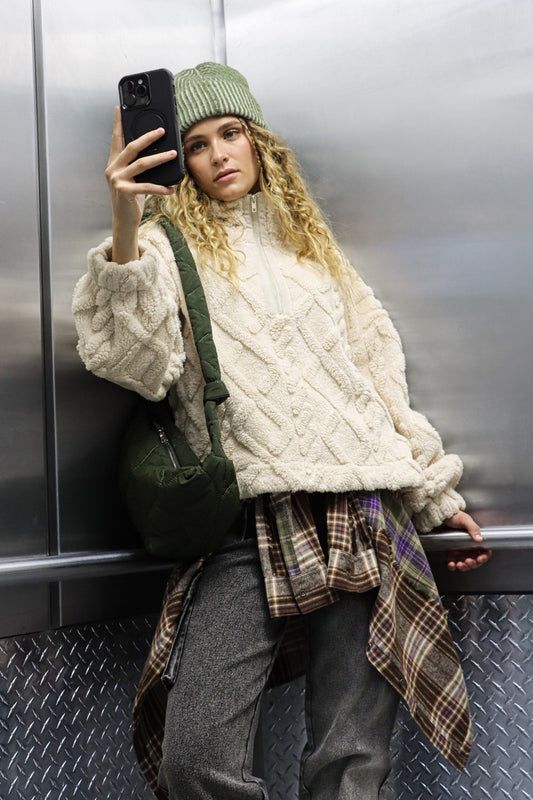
135,93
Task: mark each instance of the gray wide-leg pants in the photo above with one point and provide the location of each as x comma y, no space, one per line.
218,669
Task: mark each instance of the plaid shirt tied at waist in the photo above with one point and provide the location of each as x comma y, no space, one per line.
371,543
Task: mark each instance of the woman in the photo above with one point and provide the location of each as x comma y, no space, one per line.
325,574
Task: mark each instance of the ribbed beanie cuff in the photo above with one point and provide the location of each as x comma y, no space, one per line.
213,90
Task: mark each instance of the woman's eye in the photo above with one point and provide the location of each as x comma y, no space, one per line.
231,133
195,147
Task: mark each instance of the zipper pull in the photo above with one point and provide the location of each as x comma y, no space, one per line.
253,201
166,443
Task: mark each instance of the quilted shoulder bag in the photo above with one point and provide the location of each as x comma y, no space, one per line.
181,506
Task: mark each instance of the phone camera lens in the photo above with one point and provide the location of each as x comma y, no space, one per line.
141,90
130,87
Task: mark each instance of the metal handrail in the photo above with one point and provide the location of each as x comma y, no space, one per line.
518,537
87,564
83,564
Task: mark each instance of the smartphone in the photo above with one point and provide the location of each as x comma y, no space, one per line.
147,102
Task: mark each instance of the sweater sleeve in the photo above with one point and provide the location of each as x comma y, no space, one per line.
127,318
380,345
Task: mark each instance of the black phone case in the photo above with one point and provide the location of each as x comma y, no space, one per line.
154,108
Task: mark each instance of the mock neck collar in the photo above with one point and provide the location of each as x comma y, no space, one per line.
240,206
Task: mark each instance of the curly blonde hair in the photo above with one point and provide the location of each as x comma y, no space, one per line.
302,224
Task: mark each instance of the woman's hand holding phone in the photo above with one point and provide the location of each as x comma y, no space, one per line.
128,194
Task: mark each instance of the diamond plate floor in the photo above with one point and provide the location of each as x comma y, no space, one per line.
494,637
65,705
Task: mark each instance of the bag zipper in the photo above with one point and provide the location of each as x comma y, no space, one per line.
165,442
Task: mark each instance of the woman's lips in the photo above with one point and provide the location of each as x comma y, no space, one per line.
225,176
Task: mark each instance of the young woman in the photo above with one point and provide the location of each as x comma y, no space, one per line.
326,573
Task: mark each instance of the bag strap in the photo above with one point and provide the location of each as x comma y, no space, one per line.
215,390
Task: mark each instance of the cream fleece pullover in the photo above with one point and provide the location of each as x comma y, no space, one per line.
318,396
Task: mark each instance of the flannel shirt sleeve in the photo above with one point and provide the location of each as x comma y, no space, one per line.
380,346
127,318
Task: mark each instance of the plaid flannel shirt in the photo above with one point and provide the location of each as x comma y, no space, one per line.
371,543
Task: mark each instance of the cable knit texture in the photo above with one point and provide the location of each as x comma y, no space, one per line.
318,396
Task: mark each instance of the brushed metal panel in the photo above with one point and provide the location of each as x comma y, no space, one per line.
86,49
24,609
508,571
413,122
22,482
117,596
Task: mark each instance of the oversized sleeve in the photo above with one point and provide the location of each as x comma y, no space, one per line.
127,318
378,343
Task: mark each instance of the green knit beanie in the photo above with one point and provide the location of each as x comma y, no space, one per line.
214,90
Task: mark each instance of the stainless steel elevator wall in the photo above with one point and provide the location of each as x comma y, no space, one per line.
60,63
413,121
86,48
23,523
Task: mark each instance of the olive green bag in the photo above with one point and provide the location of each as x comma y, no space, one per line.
181,506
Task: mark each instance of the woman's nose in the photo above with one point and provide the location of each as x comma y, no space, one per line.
218,153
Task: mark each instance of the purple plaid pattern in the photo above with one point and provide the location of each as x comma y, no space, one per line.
297,578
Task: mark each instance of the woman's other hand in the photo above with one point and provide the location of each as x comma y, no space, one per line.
466,559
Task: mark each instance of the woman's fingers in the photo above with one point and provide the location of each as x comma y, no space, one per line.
136,188
469,558
124,154
466,560
117,137
463,520
127,194
120,155
140,165
123,181
124,165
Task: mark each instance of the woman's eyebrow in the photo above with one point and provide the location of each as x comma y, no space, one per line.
192,138
221,127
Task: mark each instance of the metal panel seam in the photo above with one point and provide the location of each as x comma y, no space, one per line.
219,31
47,348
